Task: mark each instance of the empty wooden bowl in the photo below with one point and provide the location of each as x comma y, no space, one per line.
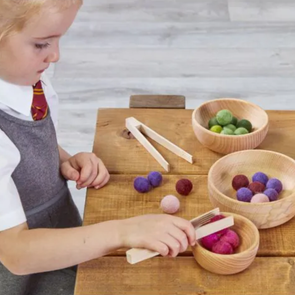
243,255
274,165
226,144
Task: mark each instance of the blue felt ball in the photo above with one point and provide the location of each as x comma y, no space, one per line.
141,184
244,194
155,178
275,184
260,177
272,194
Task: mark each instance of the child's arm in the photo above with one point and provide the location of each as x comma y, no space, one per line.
25,251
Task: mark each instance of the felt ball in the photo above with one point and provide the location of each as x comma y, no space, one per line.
245,124
275,184
260,198
222,247
234,121
256,187
244,194
224,117
155,178
212,122
141,184
170,204
231,127
209,241
227,131
272,194
240,181
216,129
216,218
184,186
232,238
241,131
260,177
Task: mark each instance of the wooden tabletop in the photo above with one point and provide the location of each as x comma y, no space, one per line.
273,271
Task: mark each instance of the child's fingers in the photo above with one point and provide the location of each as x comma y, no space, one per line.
172,243
181,237
103,177
188,228
104,182
87,173
69,172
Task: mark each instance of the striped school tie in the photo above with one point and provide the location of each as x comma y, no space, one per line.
39,107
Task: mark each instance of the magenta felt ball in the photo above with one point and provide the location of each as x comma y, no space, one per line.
155,178
256,187
170,204
244,194
272,194
222,247
275,184
232,238
209,241
240,181
184,186
260,177
141,184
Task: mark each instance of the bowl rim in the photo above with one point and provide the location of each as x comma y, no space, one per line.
264,126
250,249
240,202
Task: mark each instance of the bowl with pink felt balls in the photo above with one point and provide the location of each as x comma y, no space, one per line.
231,250
257,184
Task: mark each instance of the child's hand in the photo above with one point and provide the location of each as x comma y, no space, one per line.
165,234
86,169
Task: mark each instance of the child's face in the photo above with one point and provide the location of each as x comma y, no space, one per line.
25,55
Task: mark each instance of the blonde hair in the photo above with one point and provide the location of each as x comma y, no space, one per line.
14,14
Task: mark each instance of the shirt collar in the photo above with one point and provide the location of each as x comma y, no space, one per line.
18,98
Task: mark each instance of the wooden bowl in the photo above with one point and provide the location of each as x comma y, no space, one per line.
226,144
243,256
263,215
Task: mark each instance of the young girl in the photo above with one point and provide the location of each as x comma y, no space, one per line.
40,232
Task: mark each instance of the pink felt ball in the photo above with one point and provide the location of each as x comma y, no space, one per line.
209,241
232,238
222,247
260,198
170,204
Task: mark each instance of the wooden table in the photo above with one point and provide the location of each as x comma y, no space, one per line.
272,272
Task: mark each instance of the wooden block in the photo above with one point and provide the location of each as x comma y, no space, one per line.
157,101
183,276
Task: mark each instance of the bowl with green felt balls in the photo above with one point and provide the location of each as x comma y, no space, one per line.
230,125
257,184
231,250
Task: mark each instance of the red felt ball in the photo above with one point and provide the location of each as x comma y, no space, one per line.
240,181
256,187
184,186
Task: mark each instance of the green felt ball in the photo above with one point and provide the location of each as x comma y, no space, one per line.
231,127
212,122
216,128
241,131
234,121
224,117
246,124
227,131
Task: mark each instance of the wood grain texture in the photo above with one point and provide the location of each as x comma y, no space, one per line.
183,276
119,200
135,160
157,101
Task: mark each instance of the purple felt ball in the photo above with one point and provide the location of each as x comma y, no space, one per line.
275,184
272,194
155,178
244,194
141,184
260,177
209,241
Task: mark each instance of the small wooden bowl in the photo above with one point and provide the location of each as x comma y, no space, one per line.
275,165
226,144
243,256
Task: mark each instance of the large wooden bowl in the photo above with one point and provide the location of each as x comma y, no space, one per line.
263,215
243,256
226,144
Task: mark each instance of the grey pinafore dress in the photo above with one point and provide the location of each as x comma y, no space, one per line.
45,197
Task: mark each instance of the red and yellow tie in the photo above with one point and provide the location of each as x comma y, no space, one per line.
39,107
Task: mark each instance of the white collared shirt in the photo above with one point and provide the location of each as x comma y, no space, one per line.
16,101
